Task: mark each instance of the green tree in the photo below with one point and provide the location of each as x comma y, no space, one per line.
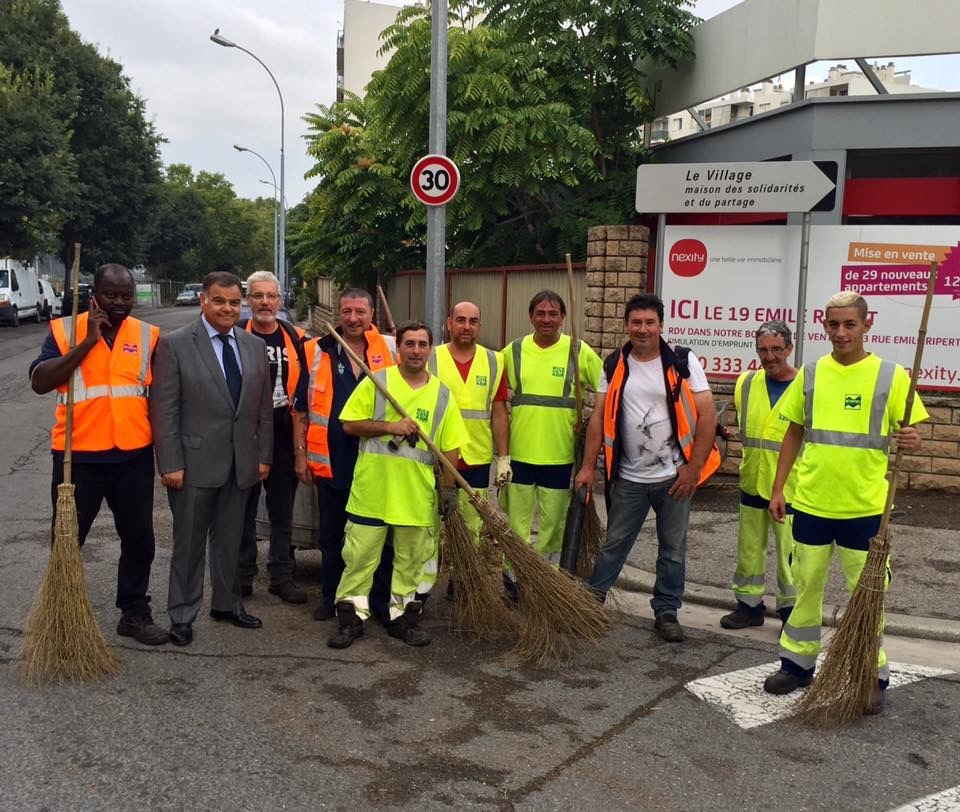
37,168
118,164
544,106
201,226
356,220
107,176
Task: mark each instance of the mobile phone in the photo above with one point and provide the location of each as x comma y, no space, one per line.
96,304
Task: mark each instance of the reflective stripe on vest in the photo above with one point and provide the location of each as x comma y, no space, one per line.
550,401
375,445
82,392
320,401
874,439
747,440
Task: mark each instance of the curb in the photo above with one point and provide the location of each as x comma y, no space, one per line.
633,579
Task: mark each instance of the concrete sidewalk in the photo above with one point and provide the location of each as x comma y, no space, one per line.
922,601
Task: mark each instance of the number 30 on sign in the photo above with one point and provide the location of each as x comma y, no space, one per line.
435,180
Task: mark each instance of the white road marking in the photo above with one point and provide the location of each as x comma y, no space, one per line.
946,801
739,695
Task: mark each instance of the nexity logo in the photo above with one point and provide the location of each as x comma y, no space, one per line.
687,257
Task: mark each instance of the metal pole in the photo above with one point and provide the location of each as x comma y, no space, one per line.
219,39
802,288
437,215
661,253
276,255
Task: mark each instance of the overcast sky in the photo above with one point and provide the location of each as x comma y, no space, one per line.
205,98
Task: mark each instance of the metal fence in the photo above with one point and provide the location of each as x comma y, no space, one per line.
502,293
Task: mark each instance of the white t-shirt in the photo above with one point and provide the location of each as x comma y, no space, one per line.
648,451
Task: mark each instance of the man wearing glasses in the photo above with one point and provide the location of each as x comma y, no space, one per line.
757,397
284,346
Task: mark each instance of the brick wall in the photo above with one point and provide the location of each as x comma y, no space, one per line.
617,269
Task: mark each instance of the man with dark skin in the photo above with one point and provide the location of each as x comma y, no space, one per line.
111,438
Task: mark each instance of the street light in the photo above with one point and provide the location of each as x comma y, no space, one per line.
282,242
276,205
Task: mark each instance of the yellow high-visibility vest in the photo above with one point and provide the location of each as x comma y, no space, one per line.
474,396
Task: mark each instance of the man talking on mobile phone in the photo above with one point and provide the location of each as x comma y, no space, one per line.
112,441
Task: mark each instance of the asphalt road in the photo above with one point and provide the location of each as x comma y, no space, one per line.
274,719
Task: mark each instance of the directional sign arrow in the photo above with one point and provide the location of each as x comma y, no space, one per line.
749,186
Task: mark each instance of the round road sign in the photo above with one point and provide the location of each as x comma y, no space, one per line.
435,180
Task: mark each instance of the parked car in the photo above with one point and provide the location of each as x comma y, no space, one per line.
187,297
83,299
50,303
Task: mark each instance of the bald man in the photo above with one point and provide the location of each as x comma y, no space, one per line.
474,375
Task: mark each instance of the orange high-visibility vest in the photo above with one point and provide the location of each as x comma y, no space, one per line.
683,417
320,396
293,359
110,388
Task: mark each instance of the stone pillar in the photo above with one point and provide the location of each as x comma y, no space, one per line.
616,270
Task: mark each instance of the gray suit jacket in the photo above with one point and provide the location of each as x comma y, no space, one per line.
195,426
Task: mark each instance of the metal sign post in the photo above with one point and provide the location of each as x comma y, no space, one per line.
437,215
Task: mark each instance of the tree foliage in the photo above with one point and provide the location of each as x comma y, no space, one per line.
79,161
544,102
202,226
37,169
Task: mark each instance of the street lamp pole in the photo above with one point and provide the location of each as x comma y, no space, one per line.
282,252
276,255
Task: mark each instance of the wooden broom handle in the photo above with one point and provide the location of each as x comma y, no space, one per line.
911,393
452,469
68,429
391,325
575,353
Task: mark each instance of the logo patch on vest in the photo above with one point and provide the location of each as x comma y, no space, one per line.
423,414
133,349
376,359
481,380
559,372
852,402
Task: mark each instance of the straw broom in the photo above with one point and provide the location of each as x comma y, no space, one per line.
558,610
478,605
846,685
583,532
61,640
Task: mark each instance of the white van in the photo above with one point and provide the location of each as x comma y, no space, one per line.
50,305
19,292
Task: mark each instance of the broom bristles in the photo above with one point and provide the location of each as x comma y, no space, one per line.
846,685
478,606
61,639
594,533
592,540
558,610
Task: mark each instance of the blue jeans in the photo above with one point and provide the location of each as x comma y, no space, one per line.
630,502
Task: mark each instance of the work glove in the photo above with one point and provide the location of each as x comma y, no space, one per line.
503,474
448,500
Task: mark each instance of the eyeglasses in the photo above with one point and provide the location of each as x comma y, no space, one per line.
772,351
259,297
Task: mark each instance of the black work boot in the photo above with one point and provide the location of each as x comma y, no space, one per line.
406,627
743,616
349,626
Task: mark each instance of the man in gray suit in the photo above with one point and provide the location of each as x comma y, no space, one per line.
212,416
